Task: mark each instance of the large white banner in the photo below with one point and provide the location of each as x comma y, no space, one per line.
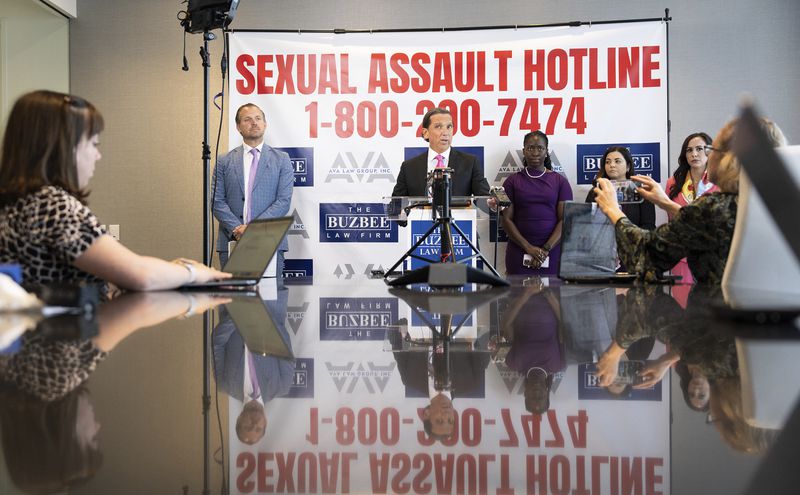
348,107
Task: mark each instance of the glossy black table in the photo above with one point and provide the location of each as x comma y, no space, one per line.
348,373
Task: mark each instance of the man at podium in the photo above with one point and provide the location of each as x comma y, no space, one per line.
467,178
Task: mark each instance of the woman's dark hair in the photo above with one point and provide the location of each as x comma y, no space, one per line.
541,382
547,163
626,154
685,376
42,132
683,164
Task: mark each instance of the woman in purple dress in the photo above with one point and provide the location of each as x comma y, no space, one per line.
533,221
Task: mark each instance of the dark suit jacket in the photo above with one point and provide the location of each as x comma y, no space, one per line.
467,372
467,180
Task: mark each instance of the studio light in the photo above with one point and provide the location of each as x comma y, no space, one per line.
205,15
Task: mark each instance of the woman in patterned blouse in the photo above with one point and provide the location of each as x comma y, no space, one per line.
700,232
49,153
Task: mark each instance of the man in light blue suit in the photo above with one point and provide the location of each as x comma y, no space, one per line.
252,181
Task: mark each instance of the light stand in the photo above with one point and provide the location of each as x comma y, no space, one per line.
204,16
206,151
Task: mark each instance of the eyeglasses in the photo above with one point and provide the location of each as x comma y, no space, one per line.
707,149
535,147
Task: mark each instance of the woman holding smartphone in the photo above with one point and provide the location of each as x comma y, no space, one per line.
700,232
617,164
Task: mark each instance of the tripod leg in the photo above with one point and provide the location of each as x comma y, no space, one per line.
415,246
446,251
475,250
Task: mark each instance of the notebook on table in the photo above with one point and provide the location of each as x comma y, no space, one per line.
255,249
588,246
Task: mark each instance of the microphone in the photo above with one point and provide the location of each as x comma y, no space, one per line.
499,194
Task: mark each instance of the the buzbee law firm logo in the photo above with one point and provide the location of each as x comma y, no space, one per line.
303,379
303,164
296,268
298,227
646,160
355,222
373,377
431,246
360,168
356,318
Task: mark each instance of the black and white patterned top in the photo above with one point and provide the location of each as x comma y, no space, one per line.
45,232
50,369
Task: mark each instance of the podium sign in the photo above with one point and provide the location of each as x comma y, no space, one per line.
419,221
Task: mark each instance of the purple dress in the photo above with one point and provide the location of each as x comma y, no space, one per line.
535,202
536,342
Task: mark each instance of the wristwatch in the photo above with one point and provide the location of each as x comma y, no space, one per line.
191,268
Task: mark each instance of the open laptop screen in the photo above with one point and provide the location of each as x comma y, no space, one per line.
256,247
588,242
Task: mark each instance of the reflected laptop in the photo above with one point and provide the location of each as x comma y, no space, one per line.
257,327
588,246
253,252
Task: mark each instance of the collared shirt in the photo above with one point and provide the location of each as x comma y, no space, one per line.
247,384
432,158
247,160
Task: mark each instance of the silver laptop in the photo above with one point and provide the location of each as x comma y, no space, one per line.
258,329
255,249
588,246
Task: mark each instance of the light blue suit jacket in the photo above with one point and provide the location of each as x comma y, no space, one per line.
275,375
271,196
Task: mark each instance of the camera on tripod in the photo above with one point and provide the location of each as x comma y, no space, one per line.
440,180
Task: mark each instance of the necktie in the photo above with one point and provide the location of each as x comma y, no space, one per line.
252,183
253,376
439,161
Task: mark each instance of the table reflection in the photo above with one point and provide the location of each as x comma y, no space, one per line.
365,389
50,433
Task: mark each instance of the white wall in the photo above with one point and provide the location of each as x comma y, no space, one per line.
34,51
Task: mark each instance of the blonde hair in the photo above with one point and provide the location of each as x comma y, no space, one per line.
727,176
728,416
